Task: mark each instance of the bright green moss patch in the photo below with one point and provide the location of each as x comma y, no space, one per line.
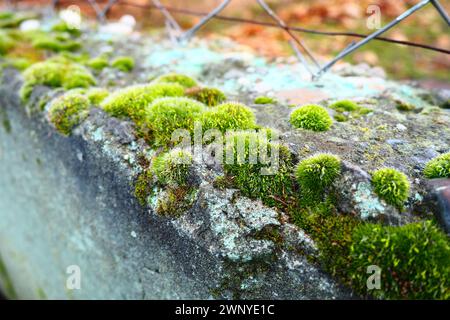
438,167
97,63
414,261
264,100
55,43
165,115
172,168
317,173
131,101
6,42
68,111
185,81
208,96
124,63
311,117
259,168
228,116
347,109
55,73
64,27
13,20
391,185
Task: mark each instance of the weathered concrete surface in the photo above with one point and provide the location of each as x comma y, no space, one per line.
69,201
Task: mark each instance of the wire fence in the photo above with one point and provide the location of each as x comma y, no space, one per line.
102,8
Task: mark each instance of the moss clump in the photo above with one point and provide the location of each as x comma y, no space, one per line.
143,188
131,101
176,201
98,63
252,171
311,117
165,115
55,43
208,96
264,100
391,185
125,64
438,167
68,111
346,109
6,42
228,116
181,79
414,261
55,73
317,173
404,106
172,168
64,27
96,95
17,63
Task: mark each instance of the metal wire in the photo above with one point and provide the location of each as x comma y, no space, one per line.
175,30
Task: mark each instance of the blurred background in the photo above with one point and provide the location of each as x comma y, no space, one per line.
400,62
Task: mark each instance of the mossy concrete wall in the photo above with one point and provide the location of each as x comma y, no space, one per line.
61,206
68,201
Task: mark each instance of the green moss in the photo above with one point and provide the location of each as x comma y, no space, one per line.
172,168
185,81
348,109
143,187
17,63
131,101
264,100
63,27
254,177
339,117
404,106
438,167
311,117
6,42
228,116
123,63
208,96
98,63
55,73
96,95
165,115
13,20
68,111
391,185
176,201
332,232
414,261
316,174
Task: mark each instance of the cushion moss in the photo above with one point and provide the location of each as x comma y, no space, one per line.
275,184
311,117
165,115
131,101
181,79
391,185
208,96
317,173
438,167
123,63
56,73
228,116
67,111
